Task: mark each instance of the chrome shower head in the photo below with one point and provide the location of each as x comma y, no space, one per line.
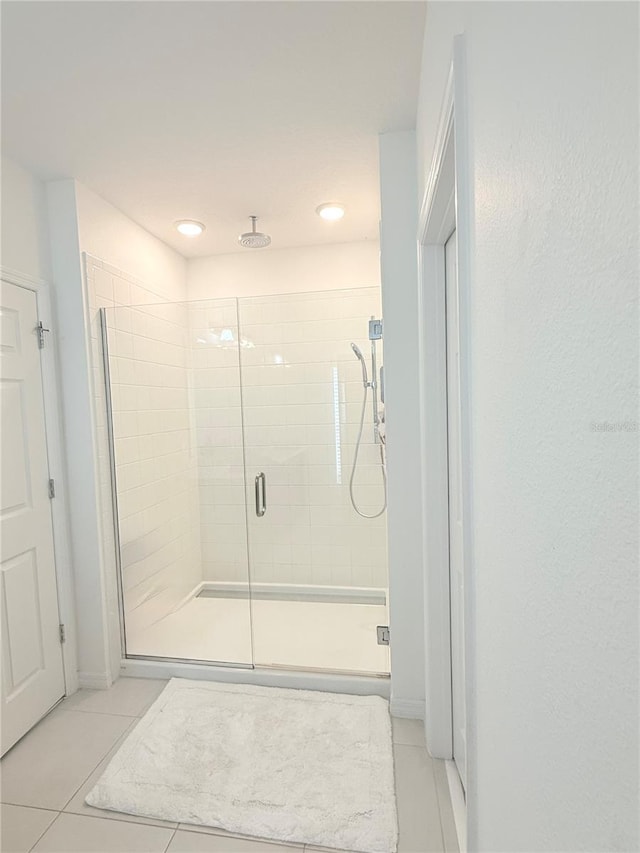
358,353
254,239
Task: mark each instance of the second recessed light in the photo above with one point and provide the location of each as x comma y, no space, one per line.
331,211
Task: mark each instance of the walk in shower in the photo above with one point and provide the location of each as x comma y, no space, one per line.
233,426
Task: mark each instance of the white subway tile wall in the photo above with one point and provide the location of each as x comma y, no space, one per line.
217,415
301,403
155,468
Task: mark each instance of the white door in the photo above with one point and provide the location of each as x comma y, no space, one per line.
456,564
32,673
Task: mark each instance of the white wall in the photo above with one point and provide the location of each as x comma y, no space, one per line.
94,654
398,197
25,232
553,112
262,272
108,234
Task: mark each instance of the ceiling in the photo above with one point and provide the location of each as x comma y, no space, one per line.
213,110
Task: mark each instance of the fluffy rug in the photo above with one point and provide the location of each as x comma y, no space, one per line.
288,765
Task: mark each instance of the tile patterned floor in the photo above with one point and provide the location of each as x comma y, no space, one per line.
46,776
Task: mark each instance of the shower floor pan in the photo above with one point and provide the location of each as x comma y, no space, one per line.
303,632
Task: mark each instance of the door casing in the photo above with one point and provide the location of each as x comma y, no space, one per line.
456,556
447,204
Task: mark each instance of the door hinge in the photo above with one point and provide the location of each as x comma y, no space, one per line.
63,634
383,635
52,488
40,330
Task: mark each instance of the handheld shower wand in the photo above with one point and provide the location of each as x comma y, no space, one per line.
375,333
358,352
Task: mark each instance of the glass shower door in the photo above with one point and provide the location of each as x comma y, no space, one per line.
318,569
175,430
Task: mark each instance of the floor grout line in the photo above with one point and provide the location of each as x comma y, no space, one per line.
219,832
435,787
38,839
123,817
101,759
22,806
173,835
95,713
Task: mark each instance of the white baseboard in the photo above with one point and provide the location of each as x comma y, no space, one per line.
410,709
94,680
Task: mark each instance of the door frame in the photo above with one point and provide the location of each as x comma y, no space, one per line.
446,204
56,460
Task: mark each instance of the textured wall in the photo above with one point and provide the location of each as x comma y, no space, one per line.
553,110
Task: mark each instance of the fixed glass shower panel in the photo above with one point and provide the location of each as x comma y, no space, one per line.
318,568
173,381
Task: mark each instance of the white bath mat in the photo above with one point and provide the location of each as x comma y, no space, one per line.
288,765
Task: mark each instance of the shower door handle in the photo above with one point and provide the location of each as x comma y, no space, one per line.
261,494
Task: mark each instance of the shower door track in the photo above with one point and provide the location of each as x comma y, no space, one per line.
266,667
190,661
348,673
296,678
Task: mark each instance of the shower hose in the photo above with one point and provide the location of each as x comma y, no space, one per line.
355,463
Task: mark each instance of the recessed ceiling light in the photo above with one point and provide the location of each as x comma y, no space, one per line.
330,211
189,227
